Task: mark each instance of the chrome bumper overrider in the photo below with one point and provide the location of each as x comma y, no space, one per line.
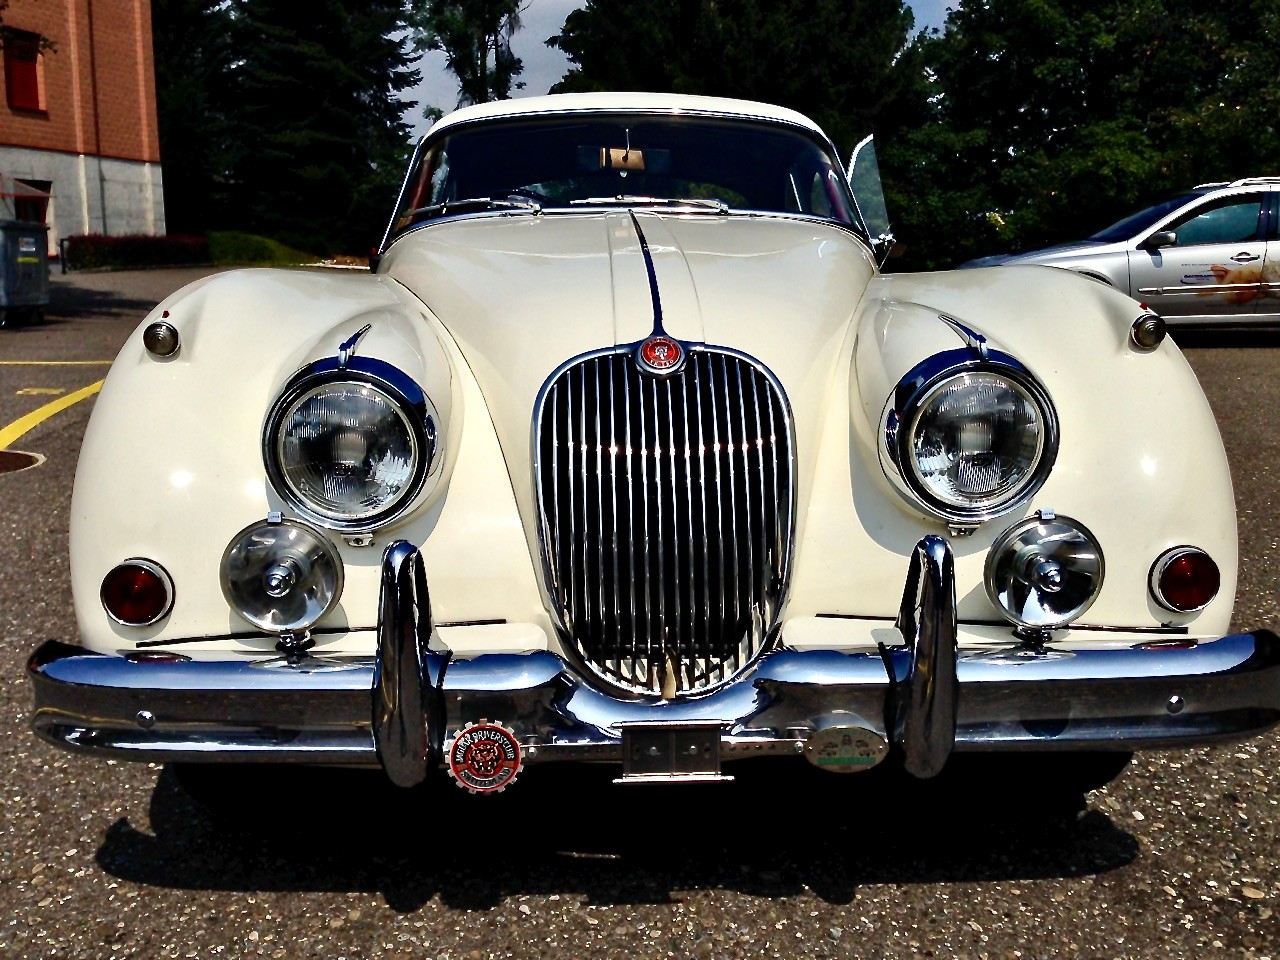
922,698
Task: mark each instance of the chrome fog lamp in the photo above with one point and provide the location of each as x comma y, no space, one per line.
282,576
969,440
350,447
1044,572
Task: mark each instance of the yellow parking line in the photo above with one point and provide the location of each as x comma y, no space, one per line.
56,363
10,434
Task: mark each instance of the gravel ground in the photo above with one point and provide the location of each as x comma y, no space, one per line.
1176,858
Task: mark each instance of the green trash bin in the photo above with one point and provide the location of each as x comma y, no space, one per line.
24,271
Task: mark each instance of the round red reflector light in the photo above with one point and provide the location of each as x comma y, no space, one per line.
137,593
1185,579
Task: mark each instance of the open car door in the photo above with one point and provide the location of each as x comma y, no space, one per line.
868,192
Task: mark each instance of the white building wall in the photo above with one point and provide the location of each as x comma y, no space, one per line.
90,194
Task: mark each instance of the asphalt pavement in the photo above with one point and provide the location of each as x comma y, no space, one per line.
1176,858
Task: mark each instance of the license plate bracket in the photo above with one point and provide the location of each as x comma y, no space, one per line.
671,751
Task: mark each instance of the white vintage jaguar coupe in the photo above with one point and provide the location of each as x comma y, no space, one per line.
626,452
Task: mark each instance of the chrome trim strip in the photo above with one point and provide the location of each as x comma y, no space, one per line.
599,543
347,349
926,699
704,519
631,513
408,709
972,339
654,295
675,498
1198,288
613,494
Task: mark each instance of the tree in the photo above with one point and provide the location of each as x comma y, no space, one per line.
1053,118
196,103
44,42
849,64
475,36
322,132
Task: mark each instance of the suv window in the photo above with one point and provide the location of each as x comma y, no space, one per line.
1233,220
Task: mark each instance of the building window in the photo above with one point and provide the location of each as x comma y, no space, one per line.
31,200
23,70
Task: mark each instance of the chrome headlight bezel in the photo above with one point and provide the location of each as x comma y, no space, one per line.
902,412
416,410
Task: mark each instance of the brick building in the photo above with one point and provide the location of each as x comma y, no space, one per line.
78,119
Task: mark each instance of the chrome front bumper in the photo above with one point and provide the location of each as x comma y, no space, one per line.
922,698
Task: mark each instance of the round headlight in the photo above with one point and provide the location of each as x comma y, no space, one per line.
349,452
973,441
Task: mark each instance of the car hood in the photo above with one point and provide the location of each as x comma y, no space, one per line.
523,295
1075,247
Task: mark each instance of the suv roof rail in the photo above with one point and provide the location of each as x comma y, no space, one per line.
1246,182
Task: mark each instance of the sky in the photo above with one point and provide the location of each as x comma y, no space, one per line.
544,65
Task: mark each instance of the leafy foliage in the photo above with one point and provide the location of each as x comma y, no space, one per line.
97,251
323,136
44,42
284,119
475,36
846,63
1053,118
1025,122
233,248
196,106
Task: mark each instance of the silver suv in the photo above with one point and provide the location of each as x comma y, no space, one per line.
1207,256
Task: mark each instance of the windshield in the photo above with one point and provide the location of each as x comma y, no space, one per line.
1135,223
634,160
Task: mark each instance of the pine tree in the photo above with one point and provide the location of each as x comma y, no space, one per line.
195,104
324,142
846,63
475,36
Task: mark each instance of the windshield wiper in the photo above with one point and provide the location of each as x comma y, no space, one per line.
624,200
474,203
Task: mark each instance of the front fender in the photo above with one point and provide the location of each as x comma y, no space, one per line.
1140,463
172,464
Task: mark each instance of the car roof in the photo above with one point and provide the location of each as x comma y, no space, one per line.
606,102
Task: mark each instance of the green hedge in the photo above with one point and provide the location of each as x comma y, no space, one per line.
224,248
94,250
229,248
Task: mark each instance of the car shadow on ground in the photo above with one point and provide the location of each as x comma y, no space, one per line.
778,829
68,301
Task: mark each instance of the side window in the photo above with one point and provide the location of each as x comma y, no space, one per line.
1235,220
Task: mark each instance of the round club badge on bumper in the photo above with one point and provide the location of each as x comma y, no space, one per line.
484,757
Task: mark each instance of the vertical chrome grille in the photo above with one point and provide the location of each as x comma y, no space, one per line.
667,507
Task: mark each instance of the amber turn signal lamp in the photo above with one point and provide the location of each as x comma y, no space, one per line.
1185,579
137,593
